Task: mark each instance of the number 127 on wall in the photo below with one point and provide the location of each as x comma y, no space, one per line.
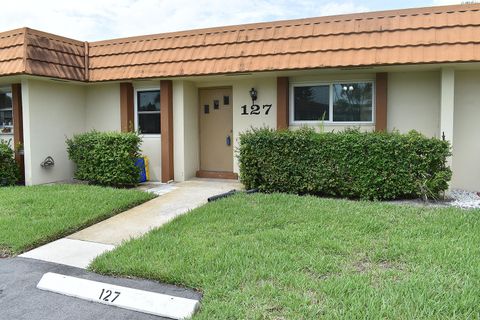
255,109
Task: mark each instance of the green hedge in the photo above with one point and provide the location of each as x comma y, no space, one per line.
9,172
106,158
352,164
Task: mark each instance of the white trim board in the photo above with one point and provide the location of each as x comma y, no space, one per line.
123,297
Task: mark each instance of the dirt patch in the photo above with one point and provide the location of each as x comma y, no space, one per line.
365,266
318,276
4,253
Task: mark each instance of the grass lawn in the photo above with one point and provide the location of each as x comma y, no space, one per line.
290,257
30,216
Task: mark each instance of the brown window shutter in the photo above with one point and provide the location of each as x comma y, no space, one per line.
381,89
282,103
18,126
126,107
166,125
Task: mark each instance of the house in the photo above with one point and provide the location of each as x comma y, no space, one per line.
191,93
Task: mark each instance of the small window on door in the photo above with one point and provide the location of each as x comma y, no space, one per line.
148,112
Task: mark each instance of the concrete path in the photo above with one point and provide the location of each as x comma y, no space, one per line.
80,248
20,300
70,252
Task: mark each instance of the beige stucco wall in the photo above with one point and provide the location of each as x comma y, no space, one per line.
102,110
55,110
151,147
52,111
466,131
267,94
414,102
191,156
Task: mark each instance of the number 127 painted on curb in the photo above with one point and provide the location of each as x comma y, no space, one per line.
106,295
255,109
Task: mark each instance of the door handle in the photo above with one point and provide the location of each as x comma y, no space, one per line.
228,141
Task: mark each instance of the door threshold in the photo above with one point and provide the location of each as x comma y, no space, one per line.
217,174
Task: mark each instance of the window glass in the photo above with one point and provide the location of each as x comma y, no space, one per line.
149,123
6,114
311,103
148,110
352,102
5,100
148,100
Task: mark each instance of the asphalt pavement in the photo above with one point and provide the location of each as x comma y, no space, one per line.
21,300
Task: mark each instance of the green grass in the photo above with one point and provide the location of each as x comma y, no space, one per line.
290,257
31,216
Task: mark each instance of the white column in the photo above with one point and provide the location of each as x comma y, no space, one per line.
185,130
178,131
447,102
27,137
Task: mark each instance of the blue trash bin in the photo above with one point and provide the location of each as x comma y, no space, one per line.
140,163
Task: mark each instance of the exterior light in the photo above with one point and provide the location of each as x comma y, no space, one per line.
345,88
350,88
253,95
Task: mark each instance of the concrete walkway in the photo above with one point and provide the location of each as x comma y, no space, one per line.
80,248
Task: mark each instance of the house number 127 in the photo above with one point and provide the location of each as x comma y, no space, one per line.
255,109
109,295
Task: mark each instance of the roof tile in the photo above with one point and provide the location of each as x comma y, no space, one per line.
425,35
392,37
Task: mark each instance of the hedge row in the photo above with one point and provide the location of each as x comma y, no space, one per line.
9,172
352,164
106,158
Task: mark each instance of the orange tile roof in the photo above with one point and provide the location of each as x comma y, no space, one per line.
411,36
28,51
53,56
12,52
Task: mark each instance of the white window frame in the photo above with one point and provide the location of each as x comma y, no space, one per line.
135,106
330,121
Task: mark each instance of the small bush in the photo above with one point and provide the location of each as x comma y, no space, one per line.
105,158
352,164
9,172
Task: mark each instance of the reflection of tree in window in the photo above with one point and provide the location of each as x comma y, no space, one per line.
5,100
311,103
149,101
352,102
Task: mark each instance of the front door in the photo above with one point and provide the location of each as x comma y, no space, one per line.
216,140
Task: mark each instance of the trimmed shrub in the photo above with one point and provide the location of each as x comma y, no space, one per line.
9,171
352,164
105,158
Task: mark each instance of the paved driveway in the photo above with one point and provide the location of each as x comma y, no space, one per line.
21,300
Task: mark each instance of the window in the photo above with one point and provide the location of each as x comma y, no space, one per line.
312,103
352,102
6,112
148,112
333,102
